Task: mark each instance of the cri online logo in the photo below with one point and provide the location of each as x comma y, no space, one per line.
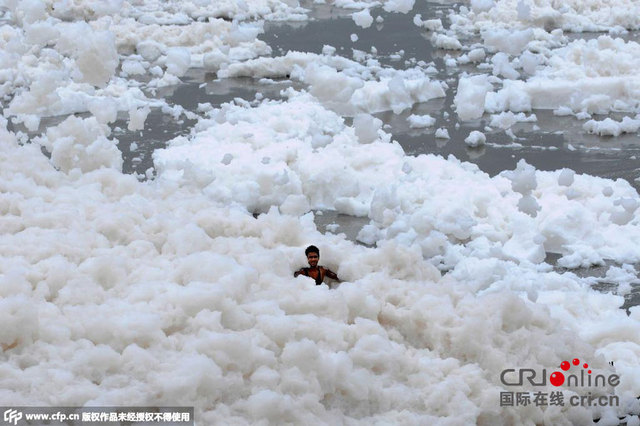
509,377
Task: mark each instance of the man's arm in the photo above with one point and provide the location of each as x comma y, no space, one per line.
329,273
298,272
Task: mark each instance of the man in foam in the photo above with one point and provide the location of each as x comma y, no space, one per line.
314,271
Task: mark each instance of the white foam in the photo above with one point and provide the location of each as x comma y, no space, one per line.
170,292
398,6
610,127
470,99
475,139
363,18
421,121
442,133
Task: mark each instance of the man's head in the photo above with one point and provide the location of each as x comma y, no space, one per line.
313,255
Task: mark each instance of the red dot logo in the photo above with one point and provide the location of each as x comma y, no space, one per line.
576,361
556,378
585,365
565,365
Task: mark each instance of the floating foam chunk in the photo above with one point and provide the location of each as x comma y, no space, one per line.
442,133
133,68
502,66
363,18
30,11
420,121
98,58
528,204
105,110
137,117
470,99
366,127
525,244
429,24
400,6
479,6
150,50
213,60
505,120
566,177
41,33
443,41
524,10
329,85
476,55
575,16
511,42
610,127
400,97
475,139
31,122
523,178
629,206
94,52
594,76
433,24
397,93
295,205
81,143
178,61
528,62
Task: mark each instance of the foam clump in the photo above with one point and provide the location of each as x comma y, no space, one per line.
137,117
442,133
420,121
566,177
104,110
398,6
475,139
503,67
443,41
576,16
610,127
470,99
479,6
81,143
428,24
507,119
511,42
178,61
366,127
570,82
344,85
363,18
94,52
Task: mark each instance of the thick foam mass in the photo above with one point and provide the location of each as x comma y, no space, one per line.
179,290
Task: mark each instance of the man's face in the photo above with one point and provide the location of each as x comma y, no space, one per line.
313,258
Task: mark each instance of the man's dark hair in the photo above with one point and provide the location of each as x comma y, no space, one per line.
312,249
